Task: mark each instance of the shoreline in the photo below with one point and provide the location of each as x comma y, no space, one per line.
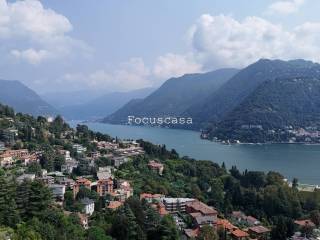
206,139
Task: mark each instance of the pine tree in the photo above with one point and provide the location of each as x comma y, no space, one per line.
39,199
22,198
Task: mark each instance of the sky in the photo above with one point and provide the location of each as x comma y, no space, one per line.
113,45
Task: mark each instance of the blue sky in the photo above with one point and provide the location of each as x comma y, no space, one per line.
57,45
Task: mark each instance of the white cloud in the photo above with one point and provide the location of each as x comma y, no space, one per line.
129,75
174,65
285,7
133,74
219,41
28,26
30,55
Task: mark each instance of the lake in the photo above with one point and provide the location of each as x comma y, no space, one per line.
301,161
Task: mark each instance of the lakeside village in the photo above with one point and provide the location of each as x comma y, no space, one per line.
105,183
120,190
287,134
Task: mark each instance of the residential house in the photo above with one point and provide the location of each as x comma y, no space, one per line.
241,218
199,207
18,153
150,198
66,155
107,145
104,186
27,159
79,148
113,205
201,220
68,182
176,204
259,232
88,206
226,226
117,161
191,233
239,235
69,165
251,221
156,167
81,182
46,180
105,172
304,223
123,191
6,160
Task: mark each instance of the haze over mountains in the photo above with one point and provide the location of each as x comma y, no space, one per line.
103,105
23,99
80,105
175,96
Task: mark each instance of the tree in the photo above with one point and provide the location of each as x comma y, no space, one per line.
208,233
295,183
58,161
35,168
39,199
25,232
315,217
167,229
283,228
216,194
97,233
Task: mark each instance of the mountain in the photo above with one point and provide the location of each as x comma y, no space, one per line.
215,107
103,105
71,98
23,99
282,99
174,97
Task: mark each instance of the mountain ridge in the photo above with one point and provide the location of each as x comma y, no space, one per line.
174,96
24,99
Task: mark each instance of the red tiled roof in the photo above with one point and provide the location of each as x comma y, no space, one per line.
84,181
259,229
201,207
238,214
306,222
239,233
251,219
150,195
192,233
155,164
114,204
226,224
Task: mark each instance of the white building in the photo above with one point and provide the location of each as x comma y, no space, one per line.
69,166
79,148
105,172
23,177
88,206
176,204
